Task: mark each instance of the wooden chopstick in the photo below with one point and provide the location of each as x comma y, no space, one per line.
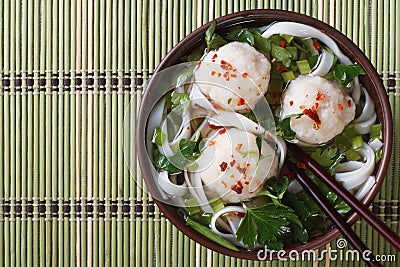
346,196
332,214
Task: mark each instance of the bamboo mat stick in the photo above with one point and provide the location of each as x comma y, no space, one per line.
96,133
126,140
120,172
13,137
132,112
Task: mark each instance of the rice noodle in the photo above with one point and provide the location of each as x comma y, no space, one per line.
232,236
324,64
204,204
354,174
364,189
170,188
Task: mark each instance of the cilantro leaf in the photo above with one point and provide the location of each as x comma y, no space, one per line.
180,101
188,151
212,39
158,136
281,55
241,35
278,188
328,157
263,225
345,74
283,127
210,31
324,156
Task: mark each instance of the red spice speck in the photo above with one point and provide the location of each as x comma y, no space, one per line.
320,96
226,65
264,77
349,103
302,107
212,142
188,128
316,45
248,164
214,56
312,114
245,74
340,107
232,163
301,165
199,63
283,43
223,166
291,103
240,102
246,183
238,187
281,68
233,75
222,131
214,127
316,105
213,73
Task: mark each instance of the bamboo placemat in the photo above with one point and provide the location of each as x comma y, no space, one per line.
71,192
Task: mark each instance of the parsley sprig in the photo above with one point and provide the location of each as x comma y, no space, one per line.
264,225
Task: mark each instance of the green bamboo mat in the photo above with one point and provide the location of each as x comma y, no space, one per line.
69,72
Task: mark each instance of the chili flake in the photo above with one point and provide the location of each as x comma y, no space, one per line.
349,103
340,107
240,102
238,187
320,96
283,43
301,165
245,74
222,131
213,73
312,114
316,45
223,166
232,163
291,103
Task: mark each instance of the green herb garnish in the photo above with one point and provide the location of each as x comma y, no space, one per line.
264,225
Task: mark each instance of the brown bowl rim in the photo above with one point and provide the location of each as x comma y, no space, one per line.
347,47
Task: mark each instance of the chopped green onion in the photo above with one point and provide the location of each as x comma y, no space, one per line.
207,232
350,131
378,155
351,154
303,66
205,219
357,142
217,204
376,131
288,76
287,37
192,207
